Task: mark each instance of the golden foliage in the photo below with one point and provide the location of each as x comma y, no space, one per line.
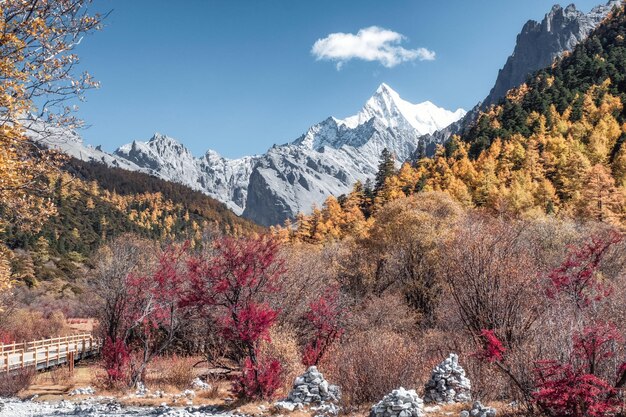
5,274
37,40
563,167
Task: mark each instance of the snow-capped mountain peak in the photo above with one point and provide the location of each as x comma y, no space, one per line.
387,110
387,105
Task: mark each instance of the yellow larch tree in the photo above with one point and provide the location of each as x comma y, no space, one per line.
601,199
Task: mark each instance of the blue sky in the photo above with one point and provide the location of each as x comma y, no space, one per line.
238,76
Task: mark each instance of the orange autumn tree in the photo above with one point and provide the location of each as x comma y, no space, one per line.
38,81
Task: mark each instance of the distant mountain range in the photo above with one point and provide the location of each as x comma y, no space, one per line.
270,188
333,154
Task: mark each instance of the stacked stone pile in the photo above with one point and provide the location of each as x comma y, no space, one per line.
478,410
399,403
448,383
312,388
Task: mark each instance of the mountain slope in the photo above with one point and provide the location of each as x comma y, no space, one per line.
554,147
289,178
96,203
537,46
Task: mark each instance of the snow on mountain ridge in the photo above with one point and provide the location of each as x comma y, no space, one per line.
390,111
386,104
270,188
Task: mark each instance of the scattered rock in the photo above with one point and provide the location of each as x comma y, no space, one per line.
158,394
326,410
399,403
200,384
141,391
82,391
478,410
287,406
448,383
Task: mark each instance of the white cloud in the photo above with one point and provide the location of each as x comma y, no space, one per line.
369,44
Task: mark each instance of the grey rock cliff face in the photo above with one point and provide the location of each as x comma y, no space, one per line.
537,46
540,43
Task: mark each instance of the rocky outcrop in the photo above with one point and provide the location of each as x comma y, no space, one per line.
448,383
478,410
539,44
399,403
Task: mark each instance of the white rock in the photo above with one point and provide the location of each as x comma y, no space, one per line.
200,384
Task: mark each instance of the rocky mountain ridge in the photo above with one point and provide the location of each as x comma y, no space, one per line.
270,188
537,46
540,43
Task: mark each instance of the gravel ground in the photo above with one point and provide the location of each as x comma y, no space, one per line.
98,407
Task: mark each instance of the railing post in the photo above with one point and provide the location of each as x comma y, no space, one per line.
47,356
70,361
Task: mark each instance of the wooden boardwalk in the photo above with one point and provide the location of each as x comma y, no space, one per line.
47,353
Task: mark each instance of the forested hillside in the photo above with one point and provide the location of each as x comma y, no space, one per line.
555,145
94,204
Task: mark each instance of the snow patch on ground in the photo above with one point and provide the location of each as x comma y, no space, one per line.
99,407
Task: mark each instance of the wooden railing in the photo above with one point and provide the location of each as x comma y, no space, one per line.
43,354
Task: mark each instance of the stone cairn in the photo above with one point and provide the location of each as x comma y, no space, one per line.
448,383
399,403
311,387
478,410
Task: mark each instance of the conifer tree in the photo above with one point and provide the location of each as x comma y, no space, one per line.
386,168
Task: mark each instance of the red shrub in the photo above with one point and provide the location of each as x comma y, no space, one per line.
577,276
595,344
574,388
325,320
248,324
258,381
116,357
563,390
233,283
492,350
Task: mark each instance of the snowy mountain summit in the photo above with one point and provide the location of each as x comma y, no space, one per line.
270,188
388,106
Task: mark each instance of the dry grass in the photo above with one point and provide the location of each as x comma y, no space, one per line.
284,348
370,365
217,389
254,408
175,371
11,384
60,376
